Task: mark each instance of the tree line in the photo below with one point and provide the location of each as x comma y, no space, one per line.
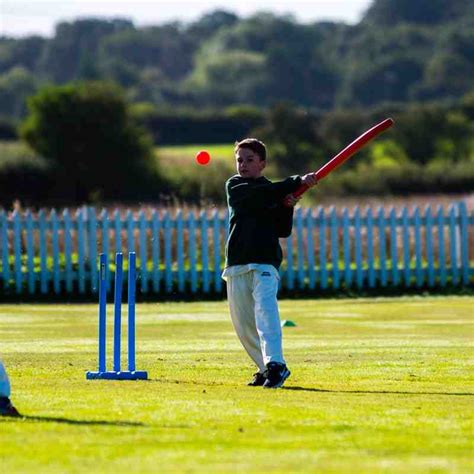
400,52
90,104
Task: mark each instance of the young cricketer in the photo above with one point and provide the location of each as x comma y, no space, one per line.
258,219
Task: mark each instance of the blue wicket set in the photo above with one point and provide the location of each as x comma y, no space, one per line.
117,373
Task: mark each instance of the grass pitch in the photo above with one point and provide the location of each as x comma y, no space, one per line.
379,385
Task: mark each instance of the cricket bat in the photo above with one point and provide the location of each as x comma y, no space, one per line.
347,152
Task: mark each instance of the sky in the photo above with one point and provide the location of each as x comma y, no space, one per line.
25,17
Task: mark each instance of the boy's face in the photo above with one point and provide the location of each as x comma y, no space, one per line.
248,163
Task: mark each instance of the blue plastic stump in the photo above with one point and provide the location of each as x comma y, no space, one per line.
117,373
118,310
131,311
102,312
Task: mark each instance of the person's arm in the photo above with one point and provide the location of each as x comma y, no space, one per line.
284,220
244,194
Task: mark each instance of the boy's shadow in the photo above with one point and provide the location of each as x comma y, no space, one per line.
69,421
322,390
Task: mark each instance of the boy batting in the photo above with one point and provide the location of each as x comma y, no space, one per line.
257,219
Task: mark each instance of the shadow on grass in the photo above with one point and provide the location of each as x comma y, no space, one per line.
388,392
69,421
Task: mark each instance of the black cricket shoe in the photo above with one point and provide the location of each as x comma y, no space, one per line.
275,375
258,380
7,408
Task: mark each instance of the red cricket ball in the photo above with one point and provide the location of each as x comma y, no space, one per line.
203,157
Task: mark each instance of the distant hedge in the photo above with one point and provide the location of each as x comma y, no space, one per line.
178,127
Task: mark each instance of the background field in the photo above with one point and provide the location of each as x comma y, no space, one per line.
188,184
380,385
178,166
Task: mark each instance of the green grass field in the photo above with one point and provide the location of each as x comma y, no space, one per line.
378,385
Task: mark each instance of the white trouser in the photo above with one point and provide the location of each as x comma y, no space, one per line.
4,382
253,307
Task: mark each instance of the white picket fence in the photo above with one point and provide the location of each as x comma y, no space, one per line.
183,251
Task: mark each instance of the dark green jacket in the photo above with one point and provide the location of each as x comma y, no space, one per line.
257,218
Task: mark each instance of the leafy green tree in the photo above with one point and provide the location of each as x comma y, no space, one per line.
291,133
228,78
164,47
15,86
294,58
150,87
387,155
210,23
63,56
86,133
467,104
455,142
384,65
402,51
390,12
449,71
338,128
298,68
21,52
428,132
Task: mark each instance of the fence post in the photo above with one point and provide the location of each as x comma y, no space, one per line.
453,244
393,246
17,250
300,247
418,258
130,228
30,252
406,247
168,256
310,244
441,252
429,246
43,252
143,252
358,249
346,248
155,250
180,249
68,250
462,211
104,224
334,247
55,239
204,253
382,246
322,248
370,248
80,250
118,231
217,252
192,251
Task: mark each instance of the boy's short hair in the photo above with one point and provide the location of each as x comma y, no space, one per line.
253,144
